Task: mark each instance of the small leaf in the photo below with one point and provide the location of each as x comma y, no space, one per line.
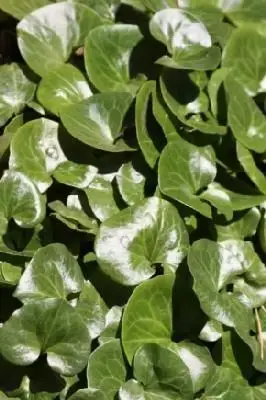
186,38
15,91
73,215
24,7
76,175
248,163
52,273
40,34
146,144
135,391
148,315
132,241
61,87
106,369
211,332
48,326
9,273
244,227
36,151
112,325
245,56
101,198
247,122
214,85
20,200
6,137
107,55
157,366
131,183
97,121
92,309
184,169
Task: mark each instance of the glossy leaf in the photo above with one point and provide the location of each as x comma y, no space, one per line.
112,325
131,242
92,309
36,151
61,87
20,200
147,317
6,137
248,163
247,122
28,333
106,369
184,169
39,33
77,175
100,194
98,120
16,89
107,55
52,273
245,56
158,366
135,391
131,183
9,274
147,146
73,215
24,7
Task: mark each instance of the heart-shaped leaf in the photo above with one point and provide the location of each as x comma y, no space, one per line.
98,120
39,33
131,242
35,151
48,326
106,369
184,169
16,90
52,273
20,200
108,69
61,87
148,315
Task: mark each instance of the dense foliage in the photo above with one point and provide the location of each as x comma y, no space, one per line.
133,199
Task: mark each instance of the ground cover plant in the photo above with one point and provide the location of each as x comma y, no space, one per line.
133,199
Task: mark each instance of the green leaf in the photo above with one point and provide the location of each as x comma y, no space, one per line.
9,274
248,163
97,121
112,325
106,369
184,169
245,226
100,194
186,38
131,183
73,215
20,200
40,34
157,366
213,266
262,230
218,198
135,391
214,85
24,7
245,56
77,175
36,151
48,326
92,309
52,273
148,315
16,90
198,361
107,55
131,242
61,87
146,144
211,332
105,8
6,137
247,122
226,385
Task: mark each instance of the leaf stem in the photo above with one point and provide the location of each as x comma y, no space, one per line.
260,336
